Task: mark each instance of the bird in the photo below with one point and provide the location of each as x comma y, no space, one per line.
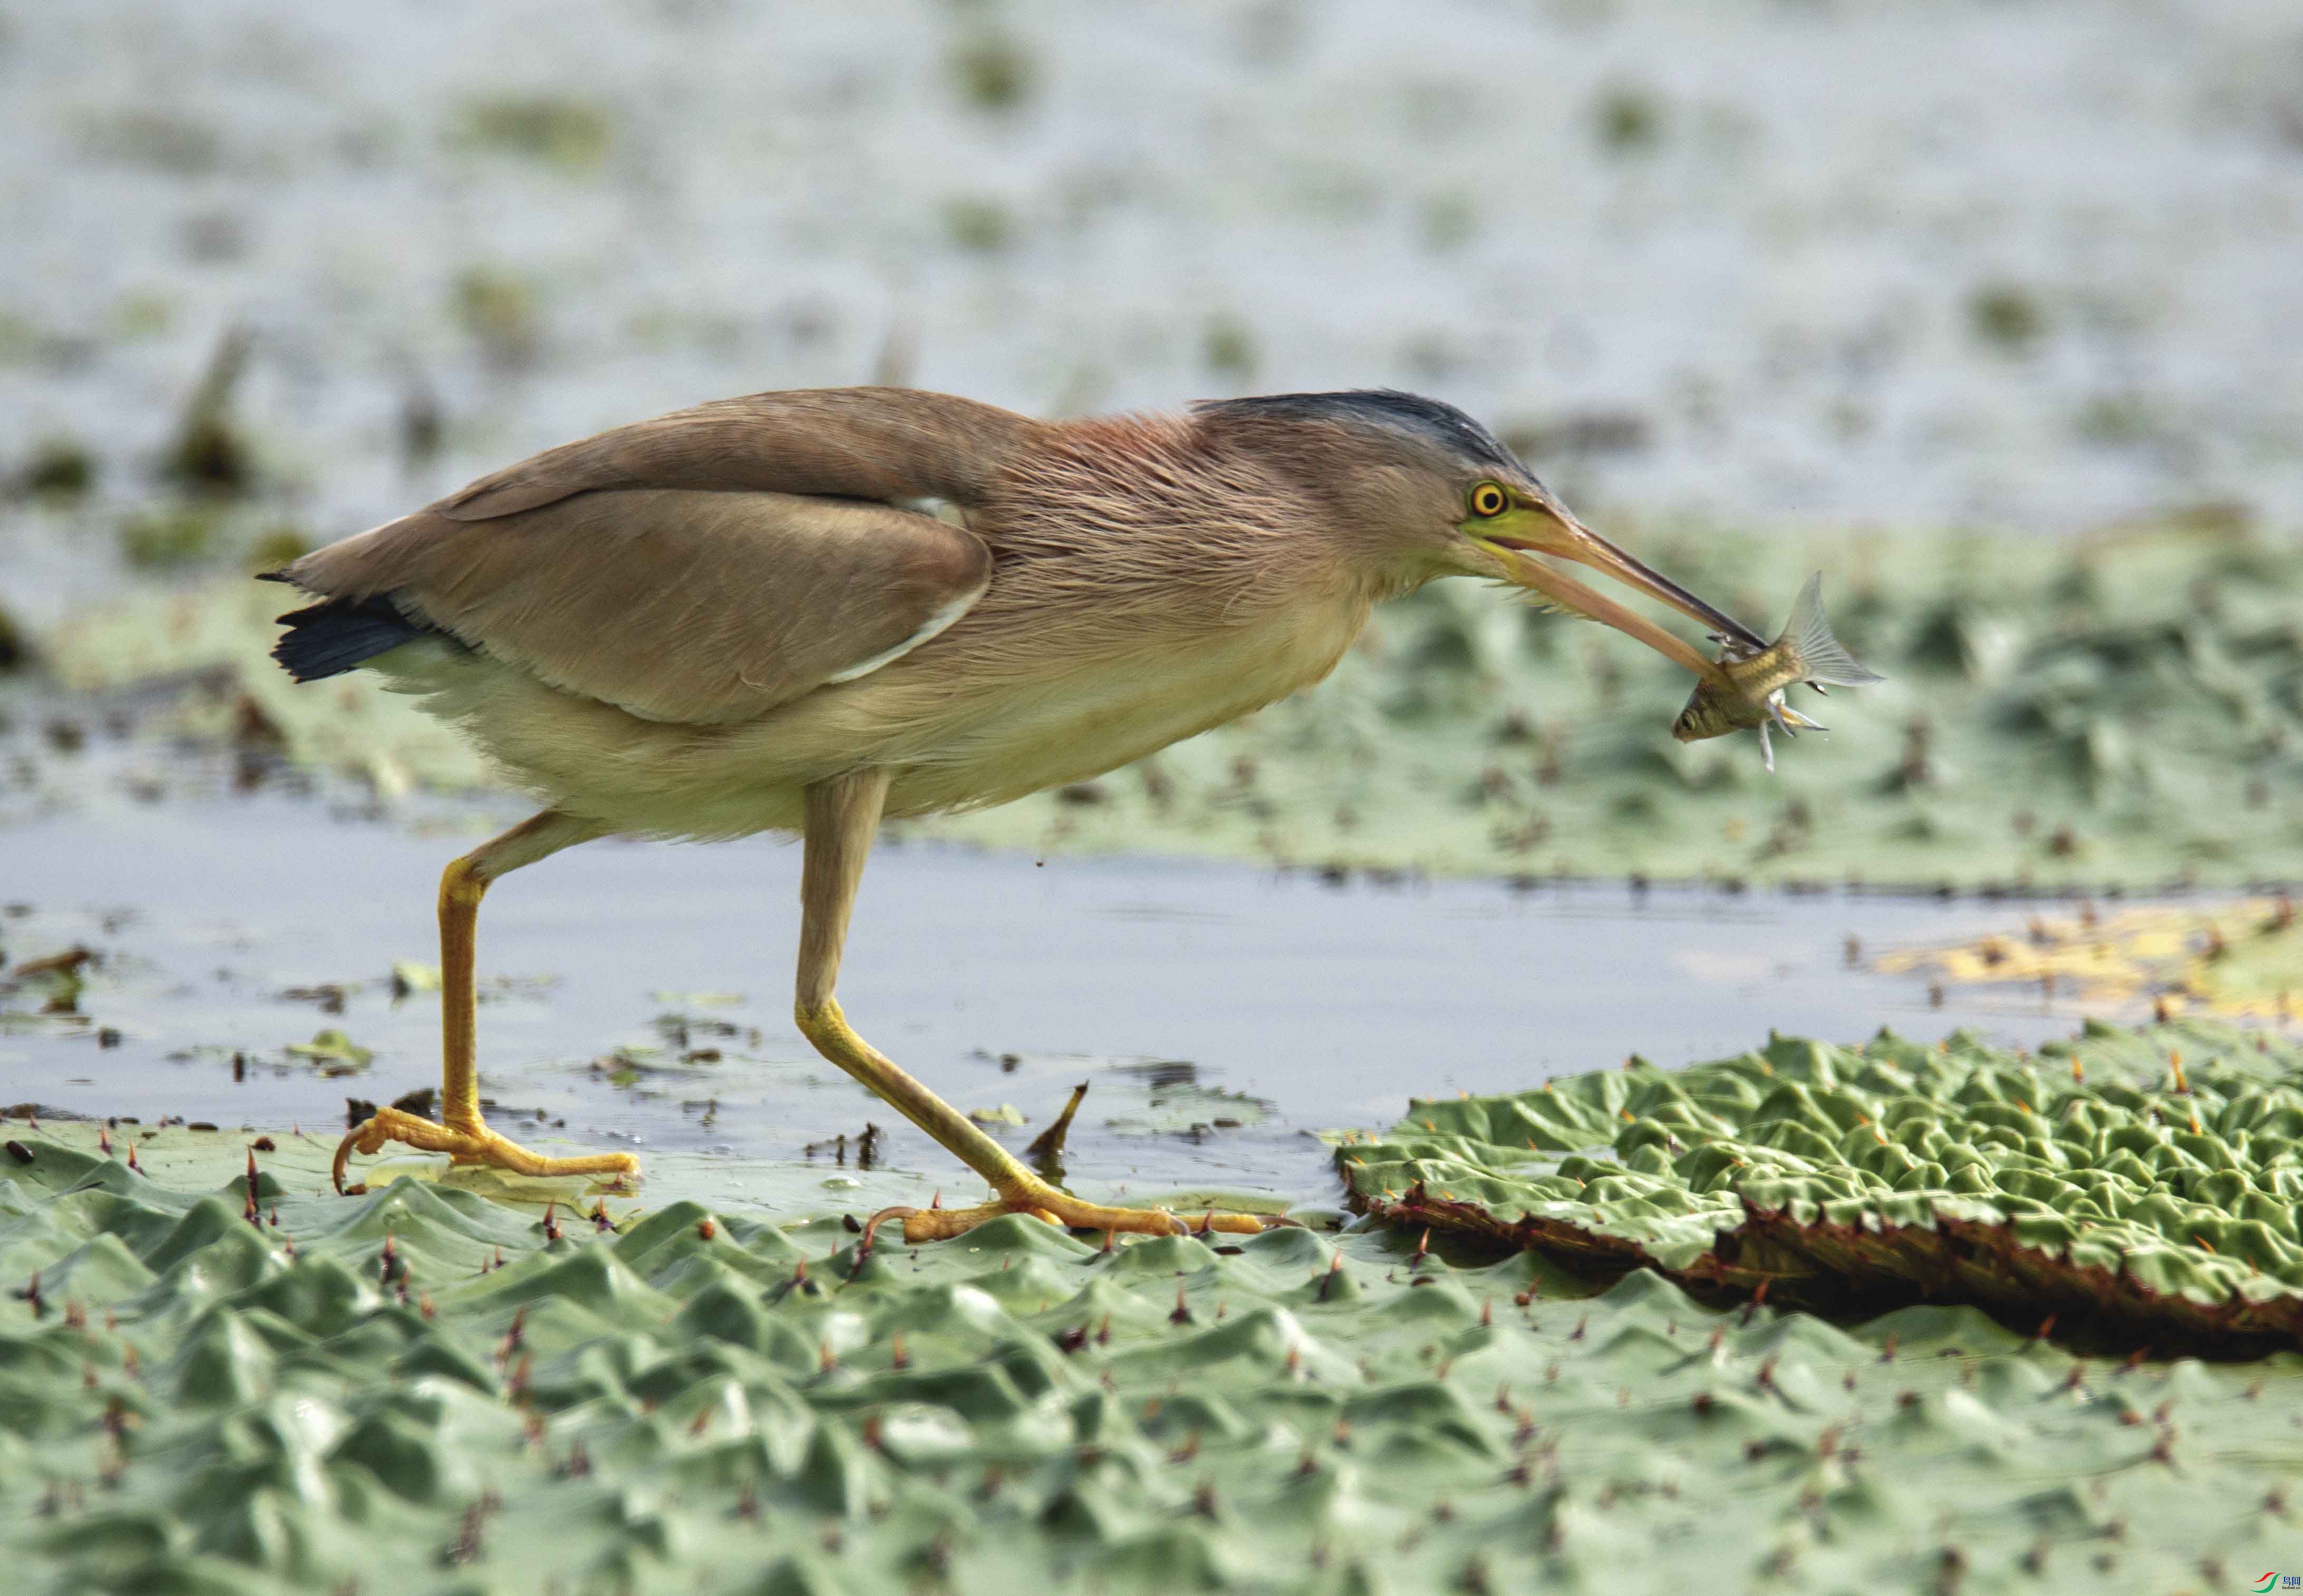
809,611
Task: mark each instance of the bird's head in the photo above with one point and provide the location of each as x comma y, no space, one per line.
1424,491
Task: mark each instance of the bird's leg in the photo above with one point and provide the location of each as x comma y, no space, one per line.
460,1133
843,814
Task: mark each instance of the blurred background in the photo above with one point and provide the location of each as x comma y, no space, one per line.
1988,306
2028,267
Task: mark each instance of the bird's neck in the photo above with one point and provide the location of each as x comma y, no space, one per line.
1142,512
1159,491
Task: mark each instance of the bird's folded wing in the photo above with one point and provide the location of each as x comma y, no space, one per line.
878,443
696,569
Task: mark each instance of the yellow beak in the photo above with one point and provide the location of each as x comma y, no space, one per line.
1551,530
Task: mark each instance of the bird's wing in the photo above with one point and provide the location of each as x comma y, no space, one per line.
877,443
707,565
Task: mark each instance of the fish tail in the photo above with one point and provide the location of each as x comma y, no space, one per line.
1827,659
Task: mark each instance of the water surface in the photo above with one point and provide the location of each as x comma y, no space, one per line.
997,979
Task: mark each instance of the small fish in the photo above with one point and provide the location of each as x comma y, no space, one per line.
1806,652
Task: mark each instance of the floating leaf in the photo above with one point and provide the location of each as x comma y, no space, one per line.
2154,1202
335,1053
695,1391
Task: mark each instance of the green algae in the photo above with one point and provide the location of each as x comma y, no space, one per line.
2140,1184
425,1389
2122,711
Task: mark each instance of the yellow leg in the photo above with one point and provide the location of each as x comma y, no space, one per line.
460,1133
842,816
1020,1190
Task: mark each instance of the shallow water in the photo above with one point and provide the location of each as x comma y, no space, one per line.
1325,1007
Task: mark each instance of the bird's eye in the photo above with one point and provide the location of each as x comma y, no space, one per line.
1487,500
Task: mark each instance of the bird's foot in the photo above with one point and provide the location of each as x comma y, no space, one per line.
1045,1202
467,1144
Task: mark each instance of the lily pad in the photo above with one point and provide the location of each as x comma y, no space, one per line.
335,1053
2143,1183
200,1393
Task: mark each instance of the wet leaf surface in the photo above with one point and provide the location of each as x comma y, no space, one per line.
715,1393
2140,1185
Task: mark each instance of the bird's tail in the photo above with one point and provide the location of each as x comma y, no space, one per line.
331,637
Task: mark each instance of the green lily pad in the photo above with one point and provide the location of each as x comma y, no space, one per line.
335,1053
722,1397
2144,1183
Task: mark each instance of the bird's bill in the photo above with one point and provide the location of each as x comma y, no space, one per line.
1552,530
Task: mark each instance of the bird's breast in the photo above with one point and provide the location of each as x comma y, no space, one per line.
994,734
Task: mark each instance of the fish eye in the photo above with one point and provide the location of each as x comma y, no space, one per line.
1488,501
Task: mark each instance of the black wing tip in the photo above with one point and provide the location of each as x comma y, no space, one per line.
336,635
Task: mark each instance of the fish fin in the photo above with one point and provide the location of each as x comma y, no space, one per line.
1792,721
1809,636
1766,749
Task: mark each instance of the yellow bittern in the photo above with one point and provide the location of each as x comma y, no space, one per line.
806,611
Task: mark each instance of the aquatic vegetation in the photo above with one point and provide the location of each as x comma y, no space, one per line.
47,990
277,546
1629,120
2239,959
2140,1186
500,310
994,72
59,468
2007,316
171,535
1227,349
333,1052
215,1380
978,224
208,455
553,130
